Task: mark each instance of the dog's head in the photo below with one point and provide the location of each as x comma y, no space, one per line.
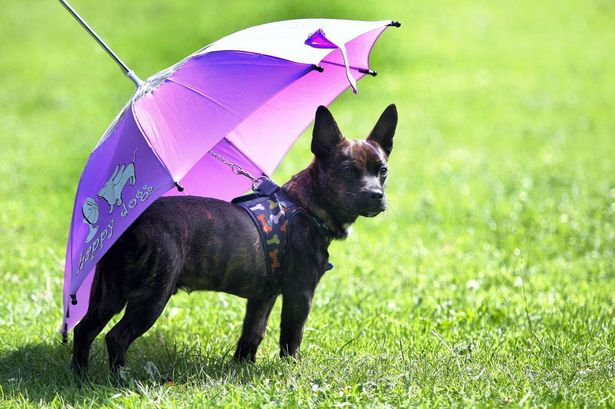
352,174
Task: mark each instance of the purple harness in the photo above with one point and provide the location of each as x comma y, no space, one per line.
272,211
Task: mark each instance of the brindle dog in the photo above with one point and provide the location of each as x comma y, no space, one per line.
198,243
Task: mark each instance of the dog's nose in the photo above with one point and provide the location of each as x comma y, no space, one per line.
376,194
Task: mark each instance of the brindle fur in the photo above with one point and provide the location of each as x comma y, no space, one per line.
197,243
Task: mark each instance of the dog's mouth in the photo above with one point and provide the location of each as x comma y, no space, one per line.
362,206
371,211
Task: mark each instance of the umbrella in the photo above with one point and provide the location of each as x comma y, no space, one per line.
241,102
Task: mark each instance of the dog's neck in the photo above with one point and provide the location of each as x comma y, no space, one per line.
303,188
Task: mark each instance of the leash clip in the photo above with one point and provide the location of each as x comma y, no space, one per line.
264,186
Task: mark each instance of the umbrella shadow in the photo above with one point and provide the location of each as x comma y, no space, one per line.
40,372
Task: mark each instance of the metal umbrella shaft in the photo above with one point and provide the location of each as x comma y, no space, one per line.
129,73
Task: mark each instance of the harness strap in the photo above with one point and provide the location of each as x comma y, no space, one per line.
272,213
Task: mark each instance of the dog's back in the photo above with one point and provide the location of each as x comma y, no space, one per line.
211,244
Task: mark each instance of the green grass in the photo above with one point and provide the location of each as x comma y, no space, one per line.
489,282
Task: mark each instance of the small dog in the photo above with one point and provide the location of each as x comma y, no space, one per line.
197,243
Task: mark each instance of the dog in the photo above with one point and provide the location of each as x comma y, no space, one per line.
197,243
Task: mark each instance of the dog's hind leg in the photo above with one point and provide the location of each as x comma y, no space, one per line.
142,311
254,325
106,300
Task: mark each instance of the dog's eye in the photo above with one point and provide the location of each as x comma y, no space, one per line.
348,171
383,171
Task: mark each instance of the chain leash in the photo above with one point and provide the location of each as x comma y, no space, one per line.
238,170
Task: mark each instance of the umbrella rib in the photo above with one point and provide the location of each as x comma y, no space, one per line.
352,67
196,91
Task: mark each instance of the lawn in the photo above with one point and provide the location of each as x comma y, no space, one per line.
488,282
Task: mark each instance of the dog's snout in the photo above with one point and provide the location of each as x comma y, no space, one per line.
376,194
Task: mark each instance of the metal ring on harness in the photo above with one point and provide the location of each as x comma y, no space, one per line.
257,181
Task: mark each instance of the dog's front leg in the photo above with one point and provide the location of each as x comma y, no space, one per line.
254,325
295,309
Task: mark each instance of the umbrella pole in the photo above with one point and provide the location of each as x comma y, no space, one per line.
129,73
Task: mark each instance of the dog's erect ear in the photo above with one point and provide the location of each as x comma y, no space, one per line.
326,134
384,130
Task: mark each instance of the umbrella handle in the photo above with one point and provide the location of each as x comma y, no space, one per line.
129,73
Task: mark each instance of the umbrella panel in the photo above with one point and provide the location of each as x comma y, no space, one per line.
122,177
205,99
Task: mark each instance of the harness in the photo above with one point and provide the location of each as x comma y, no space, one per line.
272,212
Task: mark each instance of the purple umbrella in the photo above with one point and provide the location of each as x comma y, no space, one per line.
242,101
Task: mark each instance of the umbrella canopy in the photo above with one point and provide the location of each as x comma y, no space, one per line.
246,97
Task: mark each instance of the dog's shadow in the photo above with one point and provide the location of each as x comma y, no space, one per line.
41,373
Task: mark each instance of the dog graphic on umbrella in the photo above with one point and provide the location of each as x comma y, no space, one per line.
113,187
111,192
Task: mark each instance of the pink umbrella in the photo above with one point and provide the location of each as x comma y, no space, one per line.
242,100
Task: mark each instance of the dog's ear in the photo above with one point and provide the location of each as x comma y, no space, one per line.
384,130
326,133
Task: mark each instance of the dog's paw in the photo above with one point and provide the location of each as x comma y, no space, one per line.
243,356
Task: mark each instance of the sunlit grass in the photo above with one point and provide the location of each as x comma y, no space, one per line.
488,282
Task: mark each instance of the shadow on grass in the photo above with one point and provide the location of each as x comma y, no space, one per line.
41,374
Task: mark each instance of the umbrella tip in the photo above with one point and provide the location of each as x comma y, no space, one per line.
394,24
73,299
367,71
179,187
